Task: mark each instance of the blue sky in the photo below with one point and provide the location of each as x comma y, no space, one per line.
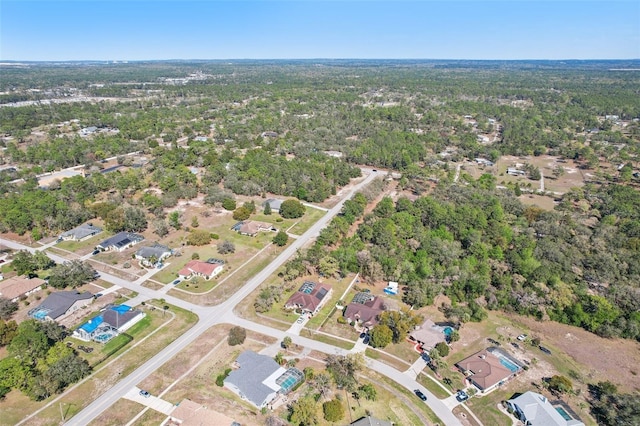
272,29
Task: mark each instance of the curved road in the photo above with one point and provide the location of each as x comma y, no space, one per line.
223,313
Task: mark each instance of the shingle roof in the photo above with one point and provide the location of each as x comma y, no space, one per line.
199,267
121,239
82,231
250,378
157,250
538,411
309,301
17,286
486,368
59,302
366,312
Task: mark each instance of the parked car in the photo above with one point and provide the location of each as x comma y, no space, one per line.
420,395
366,339
362,335
522,337
93,253
97,295
144,393
301,319
545,350
462,396
176,282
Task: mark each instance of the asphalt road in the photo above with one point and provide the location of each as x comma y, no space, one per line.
223,313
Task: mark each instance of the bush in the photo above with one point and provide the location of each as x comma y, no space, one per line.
333,410
241,213
226,247
198,238
342,320
220,378
229,204
443,349
292,209
237,335
215,236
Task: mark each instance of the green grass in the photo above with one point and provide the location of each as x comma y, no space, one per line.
421,406
326,339
432,386
310,217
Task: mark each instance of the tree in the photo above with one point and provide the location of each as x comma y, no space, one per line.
560,384
23,263
237,335
280,239
175,220
454,336
292,209
226,247
322,383
7,308
286,342
73,273
160,228
241,213
368,391
267,209
229,204
303,412
344,369
333,410
442,348
194,222
8,330
135,219
381,336
198,237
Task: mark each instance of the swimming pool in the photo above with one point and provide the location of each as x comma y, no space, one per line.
103,337
447,331
511,366
563,413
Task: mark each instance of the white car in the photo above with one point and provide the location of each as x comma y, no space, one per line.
522,337
300,320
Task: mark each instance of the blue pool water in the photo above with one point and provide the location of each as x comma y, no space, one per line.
563,413
40,315
447,331
511,366
103,337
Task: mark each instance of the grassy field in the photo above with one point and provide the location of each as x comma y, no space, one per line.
16,406
326,339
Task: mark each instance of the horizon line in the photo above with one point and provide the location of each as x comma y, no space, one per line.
316,59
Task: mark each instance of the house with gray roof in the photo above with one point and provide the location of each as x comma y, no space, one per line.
60,304
120,241
370,421
80,233
258,379
150,256
534,409
274,203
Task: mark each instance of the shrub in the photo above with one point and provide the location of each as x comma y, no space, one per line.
237,335
443,349
333,410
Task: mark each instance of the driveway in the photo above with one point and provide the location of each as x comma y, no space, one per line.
151,401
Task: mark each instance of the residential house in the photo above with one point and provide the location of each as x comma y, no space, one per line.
190,413
274,203
16,287
309,298
119,242
428,335
364,309
80,233
111,322
198,268
258,379
489,368
371,421
252,227
60,304
534,409
151,256
484,162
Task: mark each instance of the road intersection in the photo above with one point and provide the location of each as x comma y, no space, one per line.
224,313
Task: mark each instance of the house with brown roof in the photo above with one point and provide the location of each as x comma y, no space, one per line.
198,268
309,298
364,309
252,227
489,368
15,287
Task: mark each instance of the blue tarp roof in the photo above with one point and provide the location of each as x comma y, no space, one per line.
92,324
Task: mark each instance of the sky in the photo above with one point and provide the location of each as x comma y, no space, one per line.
50,30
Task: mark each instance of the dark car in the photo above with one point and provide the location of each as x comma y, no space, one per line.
462,396
420,395
545,350
366,340
93,253
362,335
176,282
144,393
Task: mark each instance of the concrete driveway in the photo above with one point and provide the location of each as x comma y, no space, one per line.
151,401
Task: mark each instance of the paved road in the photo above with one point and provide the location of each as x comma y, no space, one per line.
223,313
